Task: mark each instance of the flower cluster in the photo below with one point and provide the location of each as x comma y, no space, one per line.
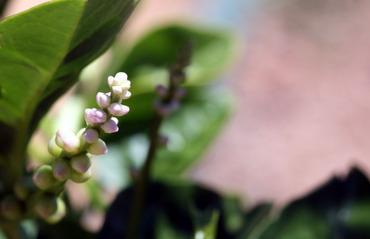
73,152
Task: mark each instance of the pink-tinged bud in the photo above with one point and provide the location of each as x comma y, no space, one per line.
103,100
68,141
81,177
165,110
81,164
61,170
161,90
114,119
53,148
180,93
91,136
110,126
98,148
117,109
46,206
44,178
94,116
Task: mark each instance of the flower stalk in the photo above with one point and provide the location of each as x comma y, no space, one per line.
168,101
72,153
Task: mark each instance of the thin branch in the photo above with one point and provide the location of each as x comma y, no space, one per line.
168,102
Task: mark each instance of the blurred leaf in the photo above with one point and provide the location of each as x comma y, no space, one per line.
191,131
170,210
209,230
339,209
198,120
148,60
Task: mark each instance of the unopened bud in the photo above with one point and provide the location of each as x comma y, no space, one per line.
81,164
118,80
117,109
103,100
127,94
68,141
161,90
59,214
165,110
53,148
98,148
46,206
61,169
91,136
81,177
110,126
94,116
43,177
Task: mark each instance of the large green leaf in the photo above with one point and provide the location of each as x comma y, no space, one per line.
32,46
42,52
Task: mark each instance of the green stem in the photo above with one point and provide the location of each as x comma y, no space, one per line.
141,184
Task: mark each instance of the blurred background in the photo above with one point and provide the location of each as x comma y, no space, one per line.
300,77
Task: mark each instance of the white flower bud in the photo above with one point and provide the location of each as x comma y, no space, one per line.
61,169
44,178
120,79
81,164
126,95
117,90
117,109
68,141
103,100
94,116
91,136
110,126
98,148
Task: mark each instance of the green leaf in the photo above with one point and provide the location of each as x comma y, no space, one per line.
147,62
96,31
32,46
42,51
198,120
209,230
